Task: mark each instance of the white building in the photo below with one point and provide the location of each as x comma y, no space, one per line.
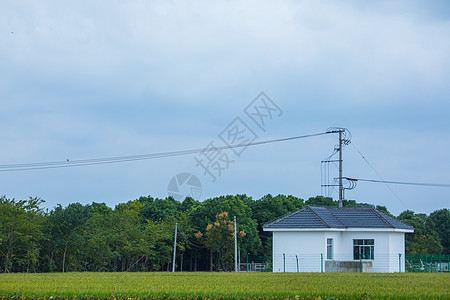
325,239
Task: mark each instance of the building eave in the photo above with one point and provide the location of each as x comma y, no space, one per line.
353,229
304,229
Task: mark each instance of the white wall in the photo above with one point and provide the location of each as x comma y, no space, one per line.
337,243
306,245
306,249
397,246
381,248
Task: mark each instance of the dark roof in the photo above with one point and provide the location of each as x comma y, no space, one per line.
311,217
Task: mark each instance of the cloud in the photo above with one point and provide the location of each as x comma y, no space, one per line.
189,51
109,78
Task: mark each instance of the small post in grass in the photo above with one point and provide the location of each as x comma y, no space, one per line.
431,263
321,262
247,261
360,263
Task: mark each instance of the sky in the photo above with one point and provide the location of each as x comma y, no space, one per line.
100,79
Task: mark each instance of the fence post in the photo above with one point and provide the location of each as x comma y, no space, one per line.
321,262
296,257
399,262
247,262
431,263
284,262
360,263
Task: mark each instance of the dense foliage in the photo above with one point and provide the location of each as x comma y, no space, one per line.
138,235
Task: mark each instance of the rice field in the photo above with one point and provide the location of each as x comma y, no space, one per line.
225,286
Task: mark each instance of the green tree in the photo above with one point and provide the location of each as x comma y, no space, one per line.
21,231
101,238
220,240
441,220
425,239
236,205
156,209
131,240
185,238
188,204
66,231
321,201
160,237
269,208
329,202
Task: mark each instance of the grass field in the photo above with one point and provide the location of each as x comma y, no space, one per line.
225,286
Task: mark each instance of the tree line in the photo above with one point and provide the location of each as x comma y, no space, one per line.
139,235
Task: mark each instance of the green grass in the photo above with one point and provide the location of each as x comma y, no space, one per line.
225,286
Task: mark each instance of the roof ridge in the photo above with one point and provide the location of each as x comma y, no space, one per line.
382,214
331,212
382,217
326,224
354,207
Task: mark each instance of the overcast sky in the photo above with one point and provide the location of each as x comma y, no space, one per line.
96,79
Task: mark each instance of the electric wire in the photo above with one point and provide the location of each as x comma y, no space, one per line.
191,242
379,176
128,158
401,182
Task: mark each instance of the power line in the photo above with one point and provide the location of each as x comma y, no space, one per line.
400,182
128,158
379,176
191,242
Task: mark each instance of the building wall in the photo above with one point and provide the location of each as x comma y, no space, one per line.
337,243
307,251
302,247
397,246
381,262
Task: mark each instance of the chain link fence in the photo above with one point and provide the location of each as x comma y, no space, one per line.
387,263
254,263
427,263
340,263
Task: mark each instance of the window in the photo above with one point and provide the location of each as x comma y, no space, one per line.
363,249
329,248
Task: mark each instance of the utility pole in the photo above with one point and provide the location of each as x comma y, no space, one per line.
235,247
174,248
341,187
344,140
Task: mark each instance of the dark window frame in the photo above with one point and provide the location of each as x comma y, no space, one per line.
330,248
363,249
